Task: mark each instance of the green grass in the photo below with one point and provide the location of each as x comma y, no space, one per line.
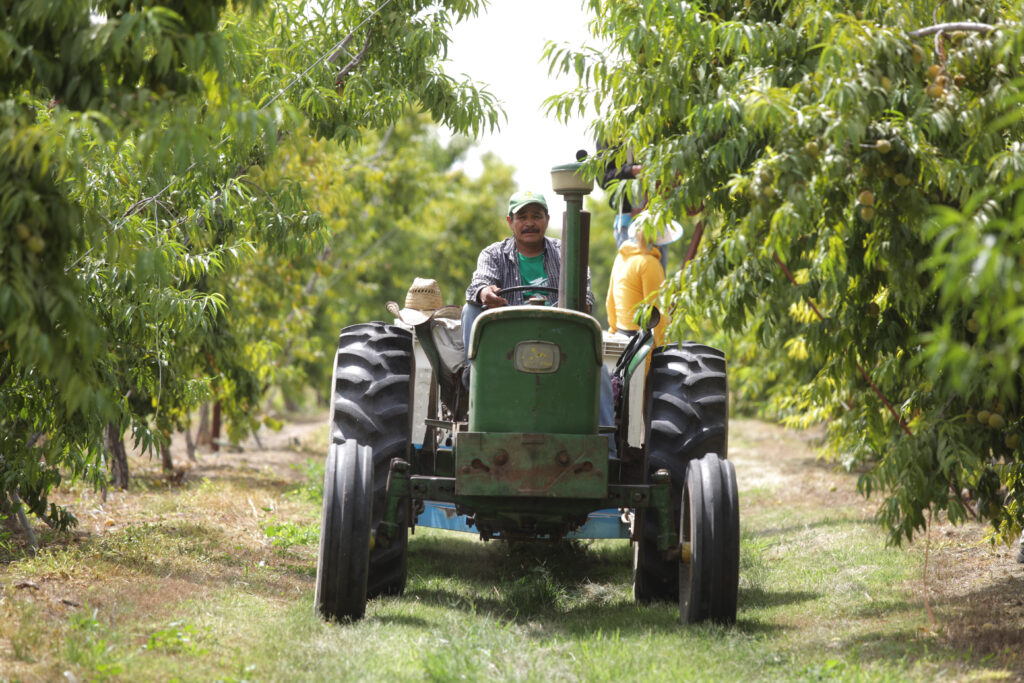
475,612
220,587
287,534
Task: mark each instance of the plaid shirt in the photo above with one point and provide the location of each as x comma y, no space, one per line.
498,264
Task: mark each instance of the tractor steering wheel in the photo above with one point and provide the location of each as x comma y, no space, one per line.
531,288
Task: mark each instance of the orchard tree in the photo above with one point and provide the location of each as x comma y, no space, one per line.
127,207
393,209
860,168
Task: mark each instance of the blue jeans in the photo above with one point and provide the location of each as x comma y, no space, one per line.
606,407
470,312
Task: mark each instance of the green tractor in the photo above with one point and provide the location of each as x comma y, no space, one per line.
520,454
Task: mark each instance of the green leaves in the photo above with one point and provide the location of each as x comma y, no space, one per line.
143,201
883,170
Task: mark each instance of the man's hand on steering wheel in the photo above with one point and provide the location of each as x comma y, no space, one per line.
489,297
490,293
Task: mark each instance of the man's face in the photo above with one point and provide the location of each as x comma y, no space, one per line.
529,225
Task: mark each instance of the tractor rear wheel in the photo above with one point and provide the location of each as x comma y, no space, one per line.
371,404
686,409
709,535
344,557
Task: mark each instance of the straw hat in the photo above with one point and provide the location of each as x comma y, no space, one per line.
422,302
669,234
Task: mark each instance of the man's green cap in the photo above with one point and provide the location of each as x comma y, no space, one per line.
524,197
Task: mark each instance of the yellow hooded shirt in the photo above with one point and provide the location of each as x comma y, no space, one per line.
636,275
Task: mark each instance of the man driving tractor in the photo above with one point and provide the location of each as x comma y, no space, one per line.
528,257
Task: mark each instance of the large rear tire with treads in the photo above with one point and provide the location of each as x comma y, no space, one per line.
686,413
371,399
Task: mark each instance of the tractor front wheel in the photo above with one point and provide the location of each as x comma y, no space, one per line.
344,559
709,538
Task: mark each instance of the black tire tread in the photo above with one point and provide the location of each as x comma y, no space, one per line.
696,580
709,582
343,560
687,416
723,609
371,403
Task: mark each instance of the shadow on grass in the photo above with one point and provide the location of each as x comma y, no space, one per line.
988,622
977,632
399,620
546,612
980,630
467,559
997,650
567,588
760,598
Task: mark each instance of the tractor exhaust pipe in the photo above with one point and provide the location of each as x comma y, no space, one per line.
575,259
572,282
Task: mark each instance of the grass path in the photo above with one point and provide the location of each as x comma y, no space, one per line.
210,577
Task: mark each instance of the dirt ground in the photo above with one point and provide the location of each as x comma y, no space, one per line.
963,569
984,581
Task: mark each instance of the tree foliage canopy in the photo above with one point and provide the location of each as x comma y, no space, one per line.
861,182
135,218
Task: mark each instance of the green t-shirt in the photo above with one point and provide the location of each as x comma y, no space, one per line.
531,272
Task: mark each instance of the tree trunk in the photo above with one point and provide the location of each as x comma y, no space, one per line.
25,524
203,433
165,456
215,427
118,457
190,445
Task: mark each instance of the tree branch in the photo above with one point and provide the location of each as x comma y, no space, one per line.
341,48
382,147
354,62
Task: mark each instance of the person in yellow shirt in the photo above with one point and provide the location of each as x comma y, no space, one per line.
636,275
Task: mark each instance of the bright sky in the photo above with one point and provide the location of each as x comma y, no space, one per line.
503,48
